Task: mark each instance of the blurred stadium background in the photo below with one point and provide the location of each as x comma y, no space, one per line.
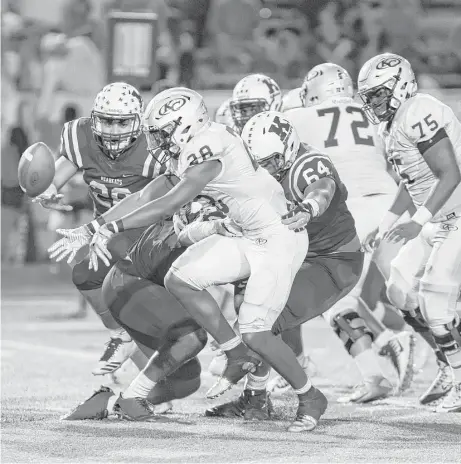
56,55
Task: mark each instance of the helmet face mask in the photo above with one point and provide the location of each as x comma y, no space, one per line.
385,82
275,165
171,120
252,95
243,110
116,118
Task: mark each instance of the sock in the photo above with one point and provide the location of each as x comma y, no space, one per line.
120,333
457,374
232,343
305,389
368,364
111,402
256,383
140,387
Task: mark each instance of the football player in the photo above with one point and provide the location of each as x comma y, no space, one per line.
112,153
332,266
223,114
210,158
422,138
252,95
331,121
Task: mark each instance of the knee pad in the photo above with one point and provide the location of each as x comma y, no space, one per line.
417,321
448,339
89,279
350,328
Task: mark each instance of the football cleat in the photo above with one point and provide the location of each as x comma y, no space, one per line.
116,353
400,349
312,405
279,384
95,407
218,363
251,405
134,409
235,370
441,385
371,389
452,401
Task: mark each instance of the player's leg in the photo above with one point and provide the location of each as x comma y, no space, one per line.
440,286
368,212
89,282
217,260
402,290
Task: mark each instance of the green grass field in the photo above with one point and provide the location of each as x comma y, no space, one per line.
46,370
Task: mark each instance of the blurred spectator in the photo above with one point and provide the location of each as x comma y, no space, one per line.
330,42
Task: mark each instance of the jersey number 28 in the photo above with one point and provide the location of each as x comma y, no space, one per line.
356,125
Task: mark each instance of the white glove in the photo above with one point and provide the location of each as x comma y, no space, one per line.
51,199
98,247
69,245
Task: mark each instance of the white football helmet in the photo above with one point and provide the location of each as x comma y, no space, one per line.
273,141
325,81
172,118
385,82
116,118
252,95
223,114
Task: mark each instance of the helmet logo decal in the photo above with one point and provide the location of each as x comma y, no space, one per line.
272,86
172,105
313,74
280,128
388,63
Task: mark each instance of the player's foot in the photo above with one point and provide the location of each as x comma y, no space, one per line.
452,401
218,363
163,408
441,385
251,405
116,353
95,407
312,406
371,389
235,370
134,409
279,384
400,349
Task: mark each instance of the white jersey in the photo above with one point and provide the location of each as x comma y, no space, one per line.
292,100
419,123
247,194
339,128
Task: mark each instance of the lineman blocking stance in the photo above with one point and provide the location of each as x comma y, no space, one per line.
332,266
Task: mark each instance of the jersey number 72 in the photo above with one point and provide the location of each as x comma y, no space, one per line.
356,125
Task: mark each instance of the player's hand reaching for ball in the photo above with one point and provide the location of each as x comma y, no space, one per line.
297,218
69,245
371,241
51,199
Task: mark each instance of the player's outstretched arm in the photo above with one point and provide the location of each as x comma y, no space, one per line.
193,182
50,198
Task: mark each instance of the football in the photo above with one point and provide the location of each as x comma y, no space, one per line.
36,169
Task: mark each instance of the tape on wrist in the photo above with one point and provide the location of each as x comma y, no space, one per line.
116,226
93,226
422,216
312,207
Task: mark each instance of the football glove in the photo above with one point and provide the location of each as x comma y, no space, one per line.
69,245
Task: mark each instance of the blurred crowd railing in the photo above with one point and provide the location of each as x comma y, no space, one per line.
53,63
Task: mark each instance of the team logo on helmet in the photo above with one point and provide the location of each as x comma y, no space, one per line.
313,74
388,63
280,128
273,88
175,104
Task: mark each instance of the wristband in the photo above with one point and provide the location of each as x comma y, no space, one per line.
422,216
93,226
312,207
116,226
388,221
